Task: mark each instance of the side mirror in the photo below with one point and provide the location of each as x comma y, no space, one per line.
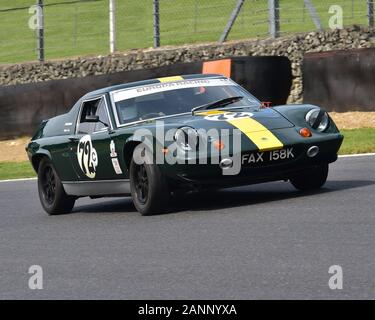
92,118
266,104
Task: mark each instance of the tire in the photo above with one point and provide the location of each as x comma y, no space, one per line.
313,179
52,196
148,187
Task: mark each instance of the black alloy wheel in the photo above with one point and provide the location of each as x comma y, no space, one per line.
141,183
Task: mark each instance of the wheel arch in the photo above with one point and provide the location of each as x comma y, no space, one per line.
37,158
130,145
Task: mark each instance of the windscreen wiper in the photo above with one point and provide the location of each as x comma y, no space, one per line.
217,104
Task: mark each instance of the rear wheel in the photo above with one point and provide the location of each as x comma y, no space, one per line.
149,188
52,196
313,179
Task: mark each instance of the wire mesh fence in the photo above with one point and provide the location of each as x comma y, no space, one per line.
296,17
81,27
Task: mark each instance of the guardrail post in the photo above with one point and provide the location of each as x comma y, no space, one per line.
370,11
40,30
274,18
156,24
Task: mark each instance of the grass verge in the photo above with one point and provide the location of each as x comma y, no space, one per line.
356,141
15,170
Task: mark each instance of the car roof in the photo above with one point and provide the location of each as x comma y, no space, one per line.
102,91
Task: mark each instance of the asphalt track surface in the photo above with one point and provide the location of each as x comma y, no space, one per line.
260,242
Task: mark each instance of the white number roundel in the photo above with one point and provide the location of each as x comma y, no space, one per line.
87,156
227,116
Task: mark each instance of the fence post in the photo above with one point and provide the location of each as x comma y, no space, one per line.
274,17
231,21
314,15
40,30
156,24
370,10
112,26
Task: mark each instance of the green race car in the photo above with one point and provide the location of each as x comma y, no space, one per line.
151,138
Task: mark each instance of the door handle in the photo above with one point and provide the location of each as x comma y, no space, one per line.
73,139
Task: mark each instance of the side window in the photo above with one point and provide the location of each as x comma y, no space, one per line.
90,108
103,116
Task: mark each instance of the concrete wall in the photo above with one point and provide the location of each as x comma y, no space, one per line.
340,80
294,47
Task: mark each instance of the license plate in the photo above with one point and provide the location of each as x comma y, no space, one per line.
270,156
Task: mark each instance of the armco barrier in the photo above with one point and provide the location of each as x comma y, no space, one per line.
22,107
340,80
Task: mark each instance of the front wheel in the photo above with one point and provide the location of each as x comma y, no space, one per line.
149,188
312,179
52,196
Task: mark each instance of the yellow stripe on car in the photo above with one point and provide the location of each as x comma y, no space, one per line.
263,138
210,113
171,79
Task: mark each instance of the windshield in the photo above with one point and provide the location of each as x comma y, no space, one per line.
163,99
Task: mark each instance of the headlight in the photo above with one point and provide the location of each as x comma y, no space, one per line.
317,119
186,138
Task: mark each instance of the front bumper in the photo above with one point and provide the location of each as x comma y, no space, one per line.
212,175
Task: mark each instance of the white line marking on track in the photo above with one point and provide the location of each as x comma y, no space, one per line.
357,155
343,156
15,180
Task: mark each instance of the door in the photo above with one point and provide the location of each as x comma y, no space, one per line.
91,144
